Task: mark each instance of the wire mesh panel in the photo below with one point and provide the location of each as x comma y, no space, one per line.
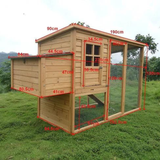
132,78
89,110
116,68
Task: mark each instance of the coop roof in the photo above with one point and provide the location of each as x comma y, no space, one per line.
40,56
75,26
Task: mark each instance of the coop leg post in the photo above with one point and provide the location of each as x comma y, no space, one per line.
140,77
124,78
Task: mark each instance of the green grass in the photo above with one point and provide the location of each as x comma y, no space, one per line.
22,135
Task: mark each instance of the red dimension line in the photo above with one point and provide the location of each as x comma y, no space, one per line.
53,124
109,120
84,56
93,61
83,64
89,121
73,72
79,112
108,79
24,92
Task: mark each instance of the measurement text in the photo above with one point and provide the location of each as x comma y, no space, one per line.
23,54
58,91
91,69
25,89
51,129
94,39
55,51
115,78
117,122
52,28
67,72
153,73
116,32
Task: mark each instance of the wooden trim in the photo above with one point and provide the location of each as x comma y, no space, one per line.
38,106
89,30
115,115
12,73
43,77
140,77
72,95
82,63
124,78
101,64
88,127
39,76
105,106
39,49
93,92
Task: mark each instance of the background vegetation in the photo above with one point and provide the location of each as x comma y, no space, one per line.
23,136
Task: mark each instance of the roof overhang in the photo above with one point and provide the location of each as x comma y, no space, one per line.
75,26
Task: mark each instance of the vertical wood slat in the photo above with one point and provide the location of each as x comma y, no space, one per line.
43,76
38,108
124,78
72,95
108,75
39,48
140,77
82,62
39,87
100,64
12,73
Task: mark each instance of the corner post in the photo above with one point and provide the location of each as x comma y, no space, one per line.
140,77
124,78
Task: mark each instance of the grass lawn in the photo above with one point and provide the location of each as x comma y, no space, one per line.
22,135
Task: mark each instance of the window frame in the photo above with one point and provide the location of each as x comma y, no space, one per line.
92,55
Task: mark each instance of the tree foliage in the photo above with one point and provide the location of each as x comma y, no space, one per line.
149,40
5,76
82,24
144,39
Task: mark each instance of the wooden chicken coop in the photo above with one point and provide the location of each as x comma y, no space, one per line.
72,63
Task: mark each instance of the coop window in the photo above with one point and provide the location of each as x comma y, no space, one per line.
92,55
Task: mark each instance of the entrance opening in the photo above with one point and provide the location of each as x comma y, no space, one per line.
89,110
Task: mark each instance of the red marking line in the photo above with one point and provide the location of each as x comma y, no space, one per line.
53,124
108,121
89,29
89,120
79,113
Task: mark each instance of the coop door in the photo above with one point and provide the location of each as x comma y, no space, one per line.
92,67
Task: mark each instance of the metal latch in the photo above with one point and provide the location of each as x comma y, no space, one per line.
100,67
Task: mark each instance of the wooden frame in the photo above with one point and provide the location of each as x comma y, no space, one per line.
50,74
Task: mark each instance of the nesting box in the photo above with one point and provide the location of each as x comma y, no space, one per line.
71,63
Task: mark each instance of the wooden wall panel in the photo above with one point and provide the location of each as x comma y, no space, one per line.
55,78
26,74
80,37
61,42
55,109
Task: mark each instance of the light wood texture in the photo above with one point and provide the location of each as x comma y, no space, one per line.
96,99
61,42
140,77
72,95
26,74
58,75
124,78
55,109
12,73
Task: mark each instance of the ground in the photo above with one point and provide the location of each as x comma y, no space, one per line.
22,135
